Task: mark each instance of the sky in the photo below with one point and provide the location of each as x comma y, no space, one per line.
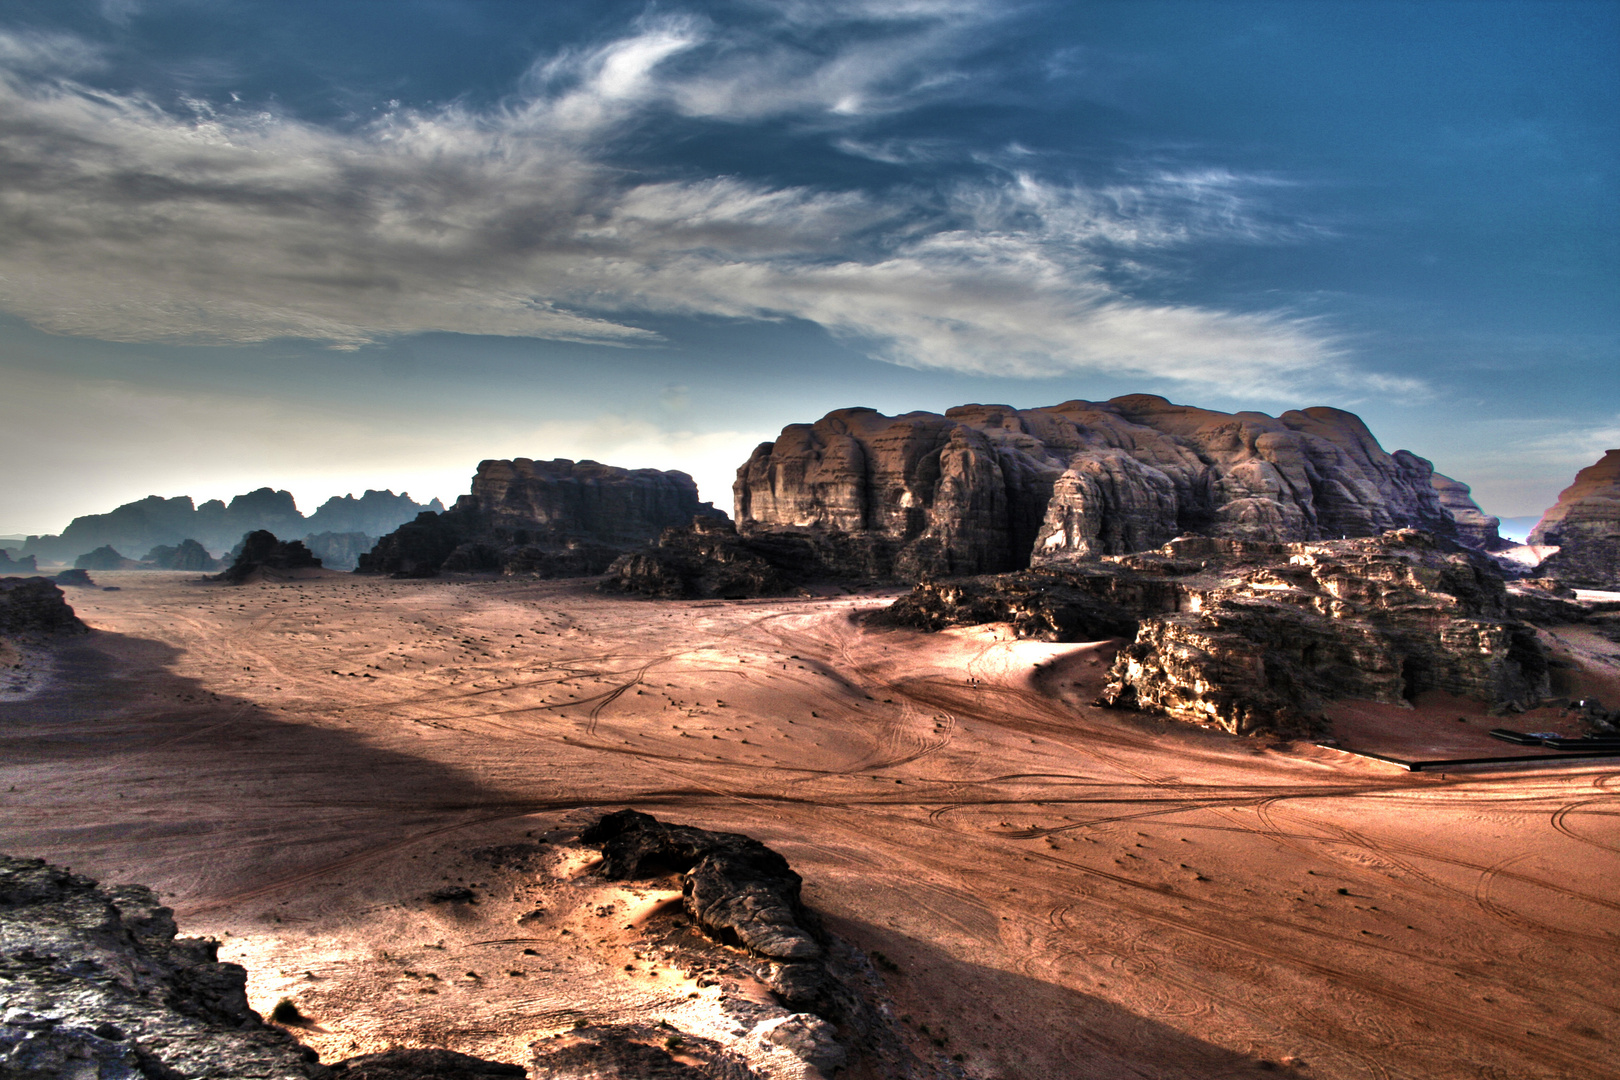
334,245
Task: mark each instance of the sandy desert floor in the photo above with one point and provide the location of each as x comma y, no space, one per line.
1056,890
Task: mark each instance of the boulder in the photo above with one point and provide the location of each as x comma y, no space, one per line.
989,488
34,605
546,519
1585,527
186,555
261,551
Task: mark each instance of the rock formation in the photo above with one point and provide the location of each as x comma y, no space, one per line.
186,555
705,559
1585,526
104,558
156,521
32,606
1475,528
12,562
94,983
340,550
547,518
1253,636
992,488
261,551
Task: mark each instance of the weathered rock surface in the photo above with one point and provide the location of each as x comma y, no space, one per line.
705,559
104,558
544,518
75,579
420,1064
1475,527
188,554
33,606
1252,636
992,488
261,551
732,885
1585,526
156,521
94,983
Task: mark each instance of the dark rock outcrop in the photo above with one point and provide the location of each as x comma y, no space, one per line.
420,1064
35,605
1252,636
733,886
104,558
705,559
186,555
1585,526
992,488
261,551
155,521
94,983
1475,527
543,518
75,579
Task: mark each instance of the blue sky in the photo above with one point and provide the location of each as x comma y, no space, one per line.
329,246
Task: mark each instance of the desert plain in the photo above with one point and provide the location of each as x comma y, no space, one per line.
1050,889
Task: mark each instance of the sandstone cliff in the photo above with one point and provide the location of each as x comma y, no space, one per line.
1254,636
1475,527
1585,526
548,518
992,488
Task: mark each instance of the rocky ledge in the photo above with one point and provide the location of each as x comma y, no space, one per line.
987,488
1257,637
1585,527
543,518
34,605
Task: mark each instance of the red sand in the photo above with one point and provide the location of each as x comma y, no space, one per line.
1066,891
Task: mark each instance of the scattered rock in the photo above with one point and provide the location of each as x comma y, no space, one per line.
261,551
94,983
542,518
34,606
992,488
1585,526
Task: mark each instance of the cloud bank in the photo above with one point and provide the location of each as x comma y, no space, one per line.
125,219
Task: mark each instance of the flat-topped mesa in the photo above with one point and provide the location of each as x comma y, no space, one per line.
556,518
988,488
1585,527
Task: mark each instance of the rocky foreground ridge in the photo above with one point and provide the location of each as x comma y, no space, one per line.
1585,527
1254,636
556,518
988,488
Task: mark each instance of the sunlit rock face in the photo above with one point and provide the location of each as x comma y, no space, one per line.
989,488
1585,527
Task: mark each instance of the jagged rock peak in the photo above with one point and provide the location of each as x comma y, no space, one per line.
1585,526
991,487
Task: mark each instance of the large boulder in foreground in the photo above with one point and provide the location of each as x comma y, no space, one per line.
988,488
1258,637
1585,527
556,518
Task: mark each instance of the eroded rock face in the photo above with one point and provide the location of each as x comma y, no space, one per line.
1254,636
1585,526
262,551
1475,527
705,559
186,555
20,565
104,558
94,982
992,488
543,518
33,606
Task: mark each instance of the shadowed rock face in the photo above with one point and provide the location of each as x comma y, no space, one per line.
262,551
186,555
1252,636
1475,527
992,488
1585,526
35,605
546,518
104,558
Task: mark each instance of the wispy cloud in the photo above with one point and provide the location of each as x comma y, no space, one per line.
124,219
